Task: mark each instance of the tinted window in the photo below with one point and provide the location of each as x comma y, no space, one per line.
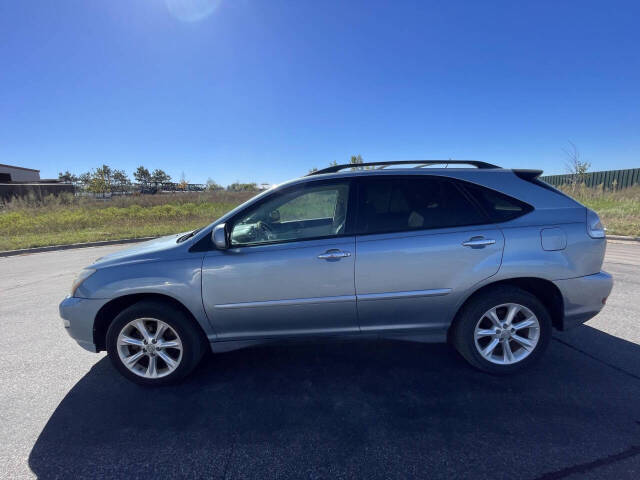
308,211
498,206
400,204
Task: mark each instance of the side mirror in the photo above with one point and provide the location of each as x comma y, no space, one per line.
219,237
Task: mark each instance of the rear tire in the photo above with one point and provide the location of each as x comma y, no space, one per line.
154,343
502,330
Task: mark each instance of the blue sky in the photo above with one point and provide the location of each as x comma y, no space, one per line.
263,90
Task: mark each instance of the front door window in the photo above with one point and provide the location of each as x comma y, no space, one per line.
306,212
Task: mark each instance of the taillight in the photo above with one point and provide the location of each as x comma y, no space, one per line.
595,229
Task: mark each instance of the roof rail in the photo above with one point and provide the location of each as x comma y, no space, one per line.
418,163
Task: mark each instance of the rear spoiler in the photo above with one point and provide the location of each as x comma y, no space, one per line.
526,174
532,176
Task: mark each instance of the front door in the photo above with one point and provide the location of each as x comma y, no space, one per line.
290,267
421,245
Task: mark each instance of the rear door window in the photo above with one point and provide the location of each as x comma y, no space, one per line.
397,204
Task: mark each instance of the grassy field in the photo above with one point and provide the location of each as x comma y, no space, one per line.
68,219
62,220
619,211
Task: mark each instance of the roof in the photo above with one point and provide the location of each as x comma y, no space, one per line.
19,168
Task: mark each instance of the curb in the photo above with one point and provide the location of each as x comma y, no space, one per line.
53,248
623,237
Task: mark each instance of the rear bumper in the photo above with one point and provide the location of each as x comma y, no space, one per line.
583,297
78,316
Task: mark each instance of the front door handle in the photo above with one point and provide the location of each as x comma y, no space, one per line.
477,242
334,254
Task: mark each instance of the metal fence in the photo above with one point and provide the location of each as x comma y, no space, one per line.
609,179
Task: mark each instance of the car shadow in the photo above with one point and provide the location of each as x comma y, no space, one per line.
347,409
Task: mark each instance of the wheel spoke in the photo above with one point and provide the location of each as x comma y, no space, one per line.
141,327
483,332
525,342
493,316
133,359
126,340
152,368
507,354
171,363
488,350
170,344
524,324
162,327
512,311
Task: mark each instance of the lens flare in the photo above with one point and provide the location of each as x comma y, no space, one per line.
192,10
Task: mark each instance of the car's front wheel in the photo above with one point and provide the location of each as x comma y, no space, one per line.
502,330
152,343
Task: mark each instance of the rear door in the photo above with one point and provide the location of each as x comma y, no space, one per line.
422,242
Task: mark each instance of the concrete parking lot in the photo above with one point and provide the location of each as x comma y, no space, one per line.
335,410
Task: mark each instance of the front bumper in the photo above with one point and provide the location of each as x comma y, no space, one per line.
78,316
583,297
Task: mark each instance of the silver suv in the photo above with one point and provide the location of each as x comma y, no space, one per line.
488,259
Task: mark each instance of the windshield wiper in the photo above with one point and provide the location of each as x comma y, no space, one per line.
188,235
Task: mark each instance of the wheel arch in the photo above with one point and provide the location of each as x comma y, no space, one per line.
110,311
544,290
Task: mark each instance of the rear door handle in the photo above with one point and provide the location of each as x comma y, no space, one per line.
334,254
478,242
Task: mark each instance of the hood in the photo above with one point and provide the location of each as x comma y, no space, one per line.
155,249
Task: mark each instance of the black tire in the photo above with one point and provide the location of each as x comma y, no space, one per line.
463,328
193,342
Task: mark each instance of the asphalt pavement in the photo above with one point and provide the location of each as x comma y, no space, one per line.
320,410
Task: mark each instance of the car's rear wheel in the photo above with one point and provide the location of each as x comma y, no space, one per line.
502,330
152,343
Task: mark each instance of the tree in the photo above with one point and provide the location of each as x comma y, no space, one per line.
142,176
212,186
357,160
243,187
184,183
106,174
159,177
98,184
101,180
120,179
67,177
84,179
313,170
574,165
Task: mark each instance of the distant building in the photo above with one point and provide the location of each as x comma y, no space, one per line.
26,182
11,173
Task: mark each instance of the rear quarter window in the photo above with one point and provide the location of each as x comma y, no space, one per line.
498,206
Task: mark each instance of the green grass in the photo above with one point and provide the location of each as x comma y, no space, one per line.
66,219
619,210
54,222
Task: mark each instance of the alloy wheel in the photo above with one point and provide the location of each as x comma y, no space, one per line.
149,347
507,334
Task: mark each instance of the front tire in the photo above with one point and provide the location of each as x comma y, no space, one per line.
153,343
502,330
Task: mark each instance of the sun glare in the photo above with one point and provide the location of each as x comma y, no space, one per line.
192,10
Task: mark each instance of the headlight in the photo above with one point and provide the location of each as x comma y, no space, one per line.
595,229
82,276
